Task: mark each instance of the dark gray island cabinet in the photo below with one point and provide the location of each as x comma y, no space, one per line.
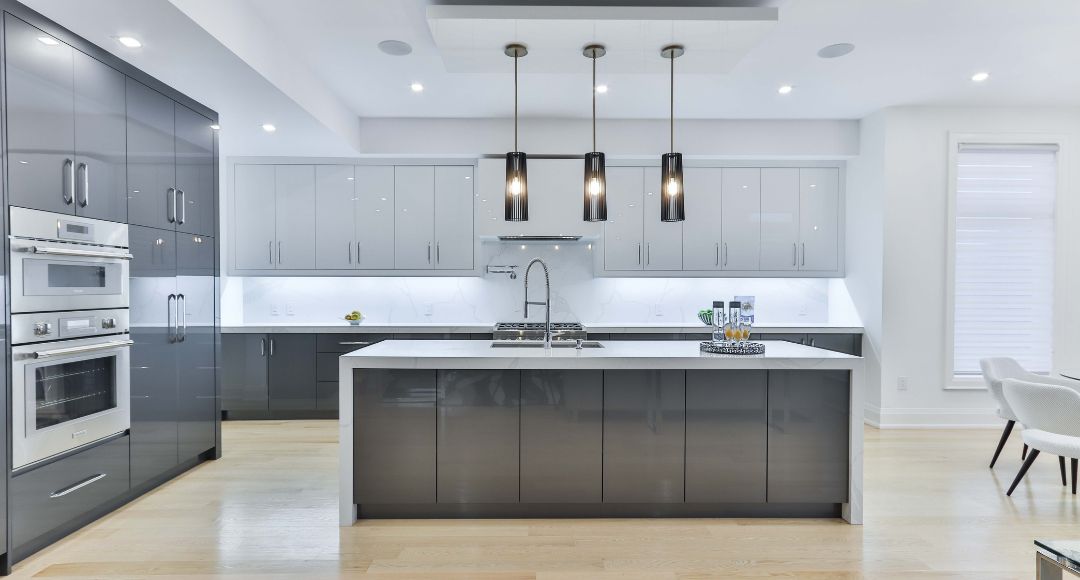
460,429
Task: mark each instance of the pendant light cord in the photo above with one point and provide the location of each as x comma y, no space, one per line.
515,103
672,125
594,101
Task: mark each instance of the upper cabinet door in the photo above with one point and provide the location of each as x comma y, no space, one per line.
454,217
414,217
663,240
335,227
702,228
40,119
151,157
819,227
779,218
195,183
295,217
623,232
100,140
374,192
741,246
253,217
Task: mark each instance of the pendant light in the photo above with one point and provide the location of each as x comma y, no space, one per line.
517,186
671,180
595,180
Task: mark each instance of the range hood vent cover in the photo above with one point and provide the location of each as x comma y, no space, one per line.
539,238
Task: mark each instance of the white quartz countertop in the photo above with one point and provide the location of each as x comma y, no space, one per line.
485,327
616,354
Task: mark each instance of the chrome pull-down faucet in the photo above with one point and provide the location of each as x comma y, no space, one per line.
547,299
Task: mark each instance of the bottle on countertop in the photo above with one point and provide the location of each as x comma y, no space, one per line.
718,321
731,330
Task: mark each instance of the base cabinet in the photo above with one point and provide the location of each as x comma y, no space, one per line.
291,360
270,376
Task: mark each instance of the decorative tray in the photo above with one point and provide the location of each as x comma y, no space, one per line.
732,347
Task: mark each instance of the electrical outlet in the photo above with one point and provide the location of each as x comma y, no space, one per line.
429,309
658,310
289,309
274,309
901,383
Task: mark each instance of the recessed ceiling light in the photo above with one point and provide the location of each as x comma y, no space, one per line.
129,41
417,87
215,127
48,40
785,89
269,128
601,89
836,50
395,47
980,76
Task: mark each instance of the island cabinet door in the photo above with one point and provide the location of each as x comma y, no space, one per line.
644,436
478,435
394,436
562,436
726,436
808,436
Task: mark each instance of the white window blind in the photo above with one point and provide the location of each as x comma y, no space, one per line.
1004,261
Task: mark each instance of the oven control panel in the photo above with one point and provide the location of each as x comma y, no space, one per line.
49,326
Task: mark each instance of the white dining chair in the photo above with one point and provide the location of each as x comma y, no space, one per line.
1050,414
997,369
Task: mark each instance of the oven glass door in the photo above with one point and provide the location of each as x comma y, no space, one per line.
68,390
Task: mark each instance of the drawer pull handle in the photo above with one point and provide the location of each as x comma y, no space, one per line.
355,343
77,486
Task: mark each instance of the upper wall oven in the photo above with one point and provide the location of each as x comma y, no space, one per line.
63,262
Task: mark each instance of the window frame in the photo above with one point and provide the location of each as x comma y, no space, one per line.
956,140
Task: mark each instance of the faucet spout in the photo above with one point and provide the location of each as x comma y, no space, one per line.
547,298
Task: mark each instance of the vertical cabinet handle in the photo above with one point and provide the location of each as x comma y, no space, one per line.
181,320
794,254
648,254
639,254
725,253
262,347
350,252
271,346
279,252
717,248
170,205
270,251
84,171
429,252
181,197
357,253
438,253
69,182
804,254
170,315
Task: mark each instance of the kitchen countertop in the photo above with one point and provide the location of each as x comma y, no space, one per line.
479,327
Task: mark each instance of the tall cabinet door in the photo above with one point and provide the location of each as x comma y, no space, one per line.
702,229
454,217
335,225
196,205
100,140
663,240
40,119
741,246
295,217
195,346
819,227
153,356
253,217
623,232
414,217
779,218
374,217
151,157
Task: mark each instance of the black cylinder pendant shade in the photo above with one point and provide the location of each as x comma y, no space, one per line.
517,188
595,188
672,208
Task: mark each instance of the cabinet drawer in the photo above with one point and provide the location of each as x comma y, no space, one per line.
57,494
326,366
343,343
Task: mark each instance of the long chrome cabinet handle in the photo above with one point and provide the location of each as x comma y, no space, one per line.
804,253
354,343
438,253
170,311
270,251
79,253
68,192
170,205
794,254
639,254
279,252
357,253
725,253
429,252
262,347
77,486
83,348
717,253
271,346
350,252
181,199
181,320
85,181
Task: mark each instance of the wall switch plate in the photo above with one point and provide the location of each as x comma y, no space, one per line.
289,309
658,310
429,309
274,311
901,383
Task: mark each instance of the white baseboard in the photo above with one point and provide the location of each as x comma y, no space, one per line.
915,418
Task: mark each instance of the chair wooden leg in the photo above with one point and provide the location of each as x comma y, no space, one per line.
1024,454
1061,463
1023,470
1075,461
1001,442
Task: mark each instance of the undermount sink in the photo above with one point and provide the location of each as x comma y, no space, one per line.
540,344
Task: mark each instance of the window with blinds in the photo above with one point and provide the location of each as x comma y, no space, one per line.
1004,260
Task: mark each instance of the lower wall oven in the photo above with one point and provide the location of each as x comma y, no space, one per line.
70,392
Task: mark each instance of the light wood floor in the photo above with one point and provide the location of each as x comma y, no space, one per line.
268,510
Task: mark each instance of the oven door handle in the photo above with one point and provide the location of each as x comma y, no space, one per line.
80,349
79,253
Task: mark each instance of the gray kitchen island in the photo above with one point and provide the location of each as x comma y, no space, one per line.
440,429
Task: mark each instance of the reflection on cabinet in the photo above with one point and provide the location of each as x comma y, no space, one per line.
65,127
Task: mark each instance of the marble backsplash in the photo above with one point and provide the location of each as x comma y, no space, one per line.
577,295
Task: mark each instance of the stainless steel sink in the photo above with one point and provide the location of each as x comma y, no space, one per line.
540,344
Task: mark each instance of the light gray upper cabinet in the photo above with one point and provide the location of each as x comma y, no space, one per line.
454,217
819,207
151,169
66,127
623,232
374,217
779,219
414,217
702,230
335,217
195,202
294,192
741,218
254,217
663,240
